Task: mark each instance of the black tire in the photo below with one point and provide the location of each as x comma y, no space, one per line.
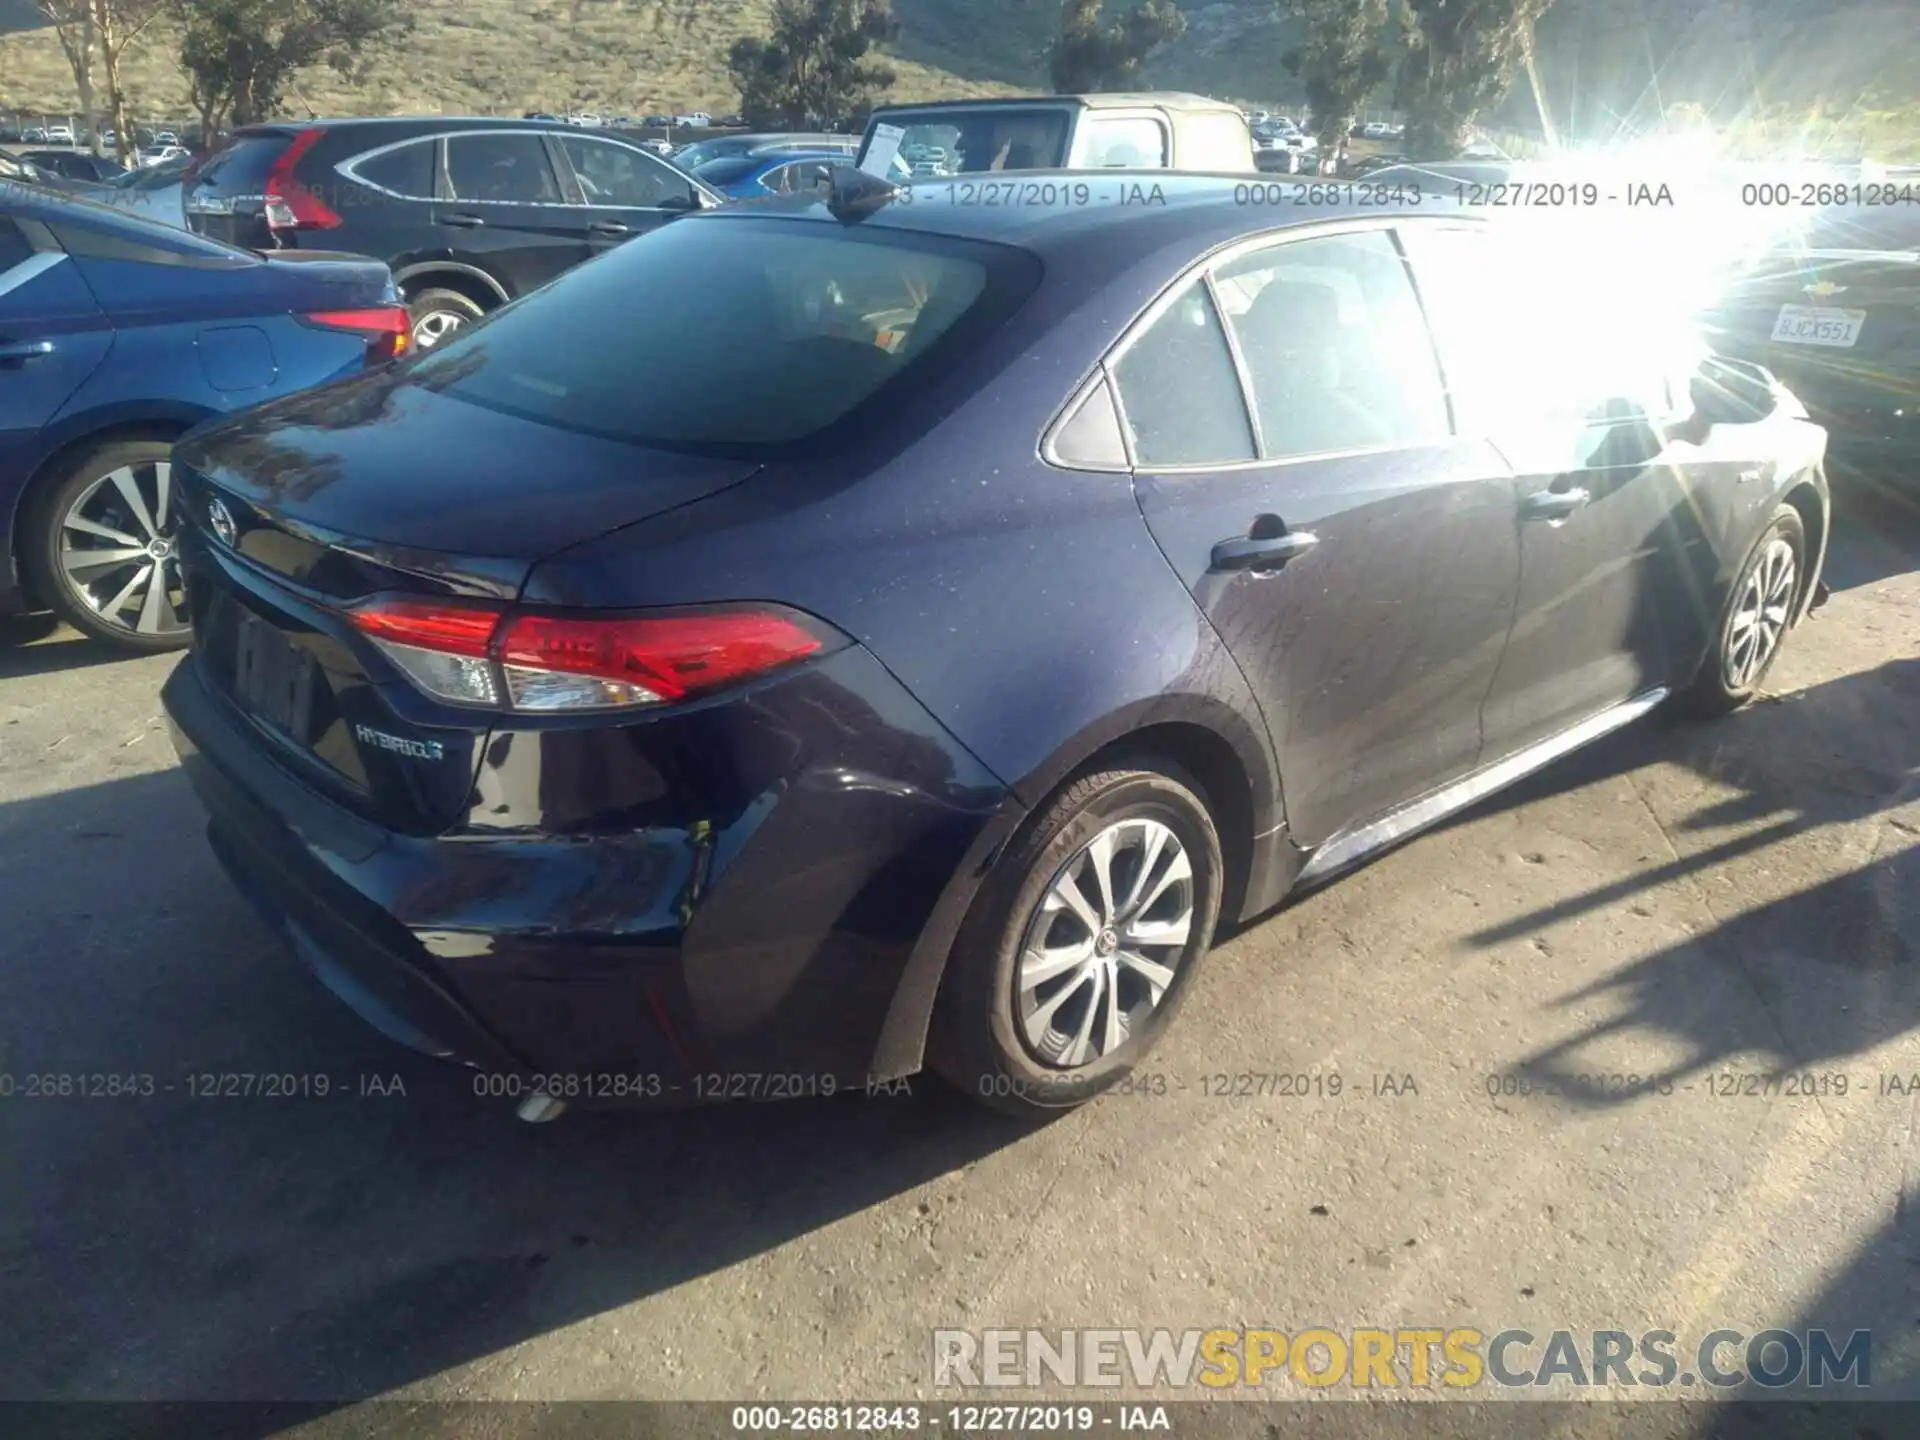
426,307
977,1042
1718,689
42,547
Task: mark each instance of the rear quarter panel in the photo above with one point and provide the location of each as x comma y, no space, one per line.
1026,607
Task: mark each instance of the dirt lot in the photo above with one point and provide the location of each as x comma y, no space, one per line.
1681,902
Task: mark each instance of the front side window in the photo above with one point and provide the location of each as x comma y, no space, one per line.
967,142
13,245
798,327
1180,391
1334,344
1126,143
502,169
1540,339
612,174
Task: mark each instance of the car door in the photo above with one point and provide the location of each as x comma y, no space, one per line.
1293,458
52,335
619,190
501,208
1555,364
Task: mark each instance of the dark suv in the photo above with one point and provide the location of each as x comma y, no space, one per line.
470,213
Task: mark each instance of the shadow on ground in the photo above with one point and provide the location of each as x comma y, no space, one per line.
40,645
333,1248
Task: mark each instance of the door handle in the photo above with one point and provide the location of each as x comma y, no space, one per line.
608,227
24,351
464,222
1553,504
1268,553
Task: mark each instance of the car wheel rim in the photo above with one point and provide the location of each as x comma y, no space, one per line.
434,326
118,554
1102,948
1760,618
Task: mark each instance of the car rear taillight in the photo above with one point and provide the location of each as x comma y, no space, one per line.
290,205
388,328
483,655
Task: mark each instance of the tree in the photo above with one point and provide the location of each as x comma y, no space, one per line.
118,25
815,67
1462,63
241,56
72,22
1342,58
1089,56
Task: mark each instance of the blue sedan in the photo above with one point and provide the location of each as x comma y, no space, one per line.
783,172
118,334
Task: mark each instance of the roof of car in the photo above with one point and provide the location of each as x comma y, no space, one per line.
457,122
1117,100
1045,210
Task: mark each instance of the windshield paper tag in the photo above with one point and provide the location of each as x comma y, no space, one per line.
881,149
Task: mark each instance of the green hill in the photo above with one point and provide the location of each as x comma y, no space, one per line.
1842,71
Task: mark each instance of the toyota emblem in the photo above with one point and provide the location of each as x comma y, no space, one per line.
221,519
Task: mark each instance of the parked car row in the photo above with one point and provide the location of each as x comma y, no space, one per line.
832,636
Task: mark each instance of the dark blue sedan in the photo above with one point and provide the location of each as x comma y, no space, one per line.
822,638
118,334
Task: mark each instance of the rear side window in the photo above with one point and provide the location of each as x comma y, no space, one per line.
1335,346
798,178
1126,143
405,170
798,327
1180,391
504,169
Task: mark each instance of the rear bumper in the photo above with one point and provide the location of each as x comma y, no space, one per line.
782,950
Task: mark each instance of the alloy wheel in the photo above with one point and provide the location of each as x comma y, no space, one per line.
118,551
1760,619
434,326
1100,951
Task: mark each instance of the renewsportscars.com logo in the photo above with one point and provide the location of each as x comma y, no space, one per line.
1399,1358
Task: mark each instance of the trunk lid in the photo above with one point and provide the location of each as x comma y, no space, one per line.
299,508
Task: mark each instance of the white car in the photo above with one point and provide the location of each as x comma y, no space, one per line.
59,135
160,154
698,120
587,121
166,137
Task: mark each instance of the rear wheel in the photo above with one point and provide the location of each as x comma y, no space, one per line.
1759,610
101,548
1081,945
437,313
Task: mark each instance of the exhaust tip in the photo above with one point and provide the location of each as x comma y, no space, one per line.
539,1109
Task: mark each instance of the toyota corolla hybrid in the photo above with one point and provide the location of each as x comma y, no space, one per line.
920,667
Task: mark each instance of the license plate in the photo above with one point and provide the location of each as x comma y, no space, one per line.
273,680
1818,325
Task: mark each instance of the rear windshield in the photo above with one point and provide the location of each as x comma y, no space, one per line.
731,336
965,142
242,167
112,233
727,170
